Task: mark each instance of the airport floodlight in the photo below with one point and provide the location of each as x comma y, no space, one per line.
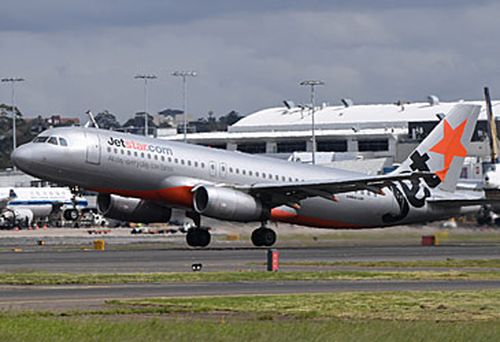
440,116
146,78
13,81
184,74
289,104
433,100
312,84
347,102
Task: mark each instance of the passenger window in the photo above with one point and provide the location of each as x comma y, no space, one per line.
270,176
195,164
263,175
244,172
63,142
256,173
283,178
162,158
52,140
129,153
109,149
182,161
189,162
237,171
149,156
135,154
202,165
116,150
142,154
122,151
169,159
250,173
156,157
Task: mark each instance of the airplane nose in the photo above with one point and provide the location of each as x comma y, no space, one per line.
21,157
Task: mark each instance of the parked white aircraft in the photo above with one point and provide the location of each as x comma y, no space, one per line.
23,206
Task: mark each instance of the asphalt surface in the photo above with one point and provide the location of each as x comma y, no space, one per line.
89,297
228,259
180,260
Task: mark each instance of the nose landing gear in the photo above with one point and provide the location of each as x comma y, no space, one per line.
263,236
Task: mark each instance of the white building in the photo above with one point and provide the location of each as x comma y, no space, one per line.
370,131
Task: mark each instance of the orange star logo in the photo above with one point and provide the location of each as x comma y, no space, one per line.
450,146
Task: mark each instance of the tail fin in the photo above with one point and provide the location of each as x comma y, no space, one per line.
443,151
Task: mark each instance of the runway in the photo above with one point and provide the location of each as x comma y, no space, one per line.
87,297
180,260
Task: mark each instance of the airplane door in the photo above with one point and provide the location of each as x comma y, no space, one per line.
93,148
223,170
213,169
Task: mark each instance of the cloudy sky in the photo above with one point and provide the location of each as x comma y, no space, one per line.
83,54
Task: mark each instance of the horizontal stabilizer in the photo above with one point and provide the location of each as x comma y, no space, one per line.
461,202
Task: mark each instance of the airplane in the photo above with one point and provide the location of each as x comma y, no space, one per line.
140,179
21,206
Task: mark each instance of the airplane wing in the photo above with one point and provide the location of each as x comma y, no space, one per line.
275,194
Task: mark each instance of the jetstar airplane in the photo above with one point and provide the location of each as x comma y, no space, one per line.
140,179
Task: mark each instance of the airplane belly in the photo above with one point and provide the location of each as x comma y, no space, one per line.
347,212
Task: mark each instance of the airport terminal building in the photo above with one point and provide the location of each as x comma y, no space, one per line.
388,131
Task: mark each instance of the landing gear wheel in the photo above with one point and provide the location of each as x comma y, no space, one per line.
70,214
198,237
263,237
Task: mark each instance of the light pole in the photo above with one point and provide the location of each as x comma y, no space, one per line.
146,78
312,84
13,81
184,74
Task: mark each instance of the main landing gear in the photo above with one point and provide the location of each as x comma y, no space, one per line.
263,236
198,236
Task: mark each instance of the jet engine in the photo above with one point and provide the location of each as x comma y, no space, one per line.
132,209
228,204
10,218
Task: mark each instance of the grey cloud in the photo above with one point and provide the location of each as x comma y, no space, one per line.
250,56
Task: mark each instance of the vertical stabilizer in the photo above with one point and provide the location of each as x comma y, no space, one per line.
443,151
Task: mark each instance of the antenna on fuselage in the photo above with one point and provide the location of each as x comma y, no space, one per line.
91,120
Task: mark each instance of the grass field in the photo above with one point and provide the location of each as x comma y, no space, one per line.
387,316
415,305
157,329
40,278
448,263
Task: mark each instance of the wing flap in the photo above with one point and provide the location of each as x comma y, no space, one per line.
274,194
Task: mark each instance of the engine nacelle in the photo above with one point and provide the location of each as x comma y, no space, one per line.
132,209
16,217
228,204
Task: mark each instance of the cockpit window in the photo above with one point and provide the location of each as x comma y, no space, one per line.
63,142
40,139
52,140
